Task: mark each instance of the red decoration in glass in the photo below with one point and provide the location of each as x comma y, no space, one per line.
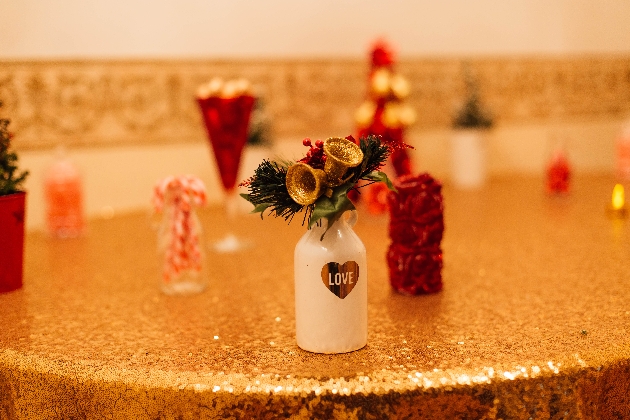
558,174
227,123
416,229
64,200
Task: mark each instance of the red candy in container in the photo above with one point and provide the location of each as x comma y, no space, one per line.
416,227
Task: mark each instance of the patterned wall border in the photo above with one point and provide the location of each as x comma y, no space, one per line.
90,103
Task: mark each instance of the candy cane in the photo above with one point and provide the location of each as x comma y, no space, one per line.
183,251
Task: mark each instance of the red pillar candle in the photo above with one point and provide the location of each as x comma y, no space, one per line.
416,228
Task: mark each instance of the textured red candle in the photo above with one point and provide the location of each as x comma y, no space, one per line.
416,228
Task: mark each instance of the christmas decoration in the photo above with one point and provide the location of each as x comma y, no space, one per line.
384,113
319,183
227,107
10,178
64,198
468,142
558,173
330,262
416,228
12,213
623,152
179,239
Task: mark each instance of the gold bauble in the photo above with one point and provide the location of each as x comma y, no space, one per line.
400,86
341,154
305,184
380,82
391,117
365,114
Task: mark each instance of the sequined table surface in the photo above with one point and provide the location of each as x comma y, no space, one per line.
533,322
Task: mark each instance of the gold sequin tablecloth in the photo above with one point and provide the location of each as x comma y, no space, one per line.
533,322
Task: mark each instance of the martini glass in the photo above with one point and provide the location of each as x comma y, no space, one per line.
227,123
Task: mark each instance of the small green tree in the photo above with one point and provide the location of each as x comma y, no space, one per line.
10,177
472,114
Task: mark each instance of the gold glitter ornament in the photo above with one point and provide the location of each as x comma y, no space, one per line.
380,82
364,116
305,184
400,86
341,154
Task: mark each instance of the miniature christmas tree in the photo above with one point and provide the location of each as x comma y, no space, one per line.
384,113
10,178
472,114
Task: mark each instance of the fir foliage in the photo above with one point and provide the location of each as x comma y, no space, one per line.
268,191
10,178
472,114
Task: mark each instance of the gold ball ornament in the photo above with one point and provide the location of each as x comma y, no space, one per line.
364,115
400,86
391,115
381,82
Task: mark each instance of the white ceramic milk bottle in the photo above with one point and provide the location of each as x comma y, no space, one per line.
331,288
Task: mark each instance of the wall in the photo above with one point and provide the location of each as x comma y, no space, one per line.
308,28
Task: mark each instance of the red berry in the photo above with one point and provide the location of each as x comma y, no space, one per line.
319,143
306,142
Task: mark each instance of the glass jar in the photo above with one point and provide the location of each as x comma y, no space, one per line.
331,288
180,248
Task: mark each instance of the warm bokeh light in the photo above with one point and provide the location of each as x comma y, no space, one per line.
618,197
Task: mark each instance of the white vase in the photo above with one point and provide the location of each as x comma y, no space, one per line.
468,158
331,289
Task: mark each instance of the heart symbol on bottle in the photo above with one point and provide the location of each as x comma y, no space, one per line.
340,278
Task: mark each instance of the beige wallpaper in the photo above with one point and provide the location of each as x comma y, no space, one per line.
97,103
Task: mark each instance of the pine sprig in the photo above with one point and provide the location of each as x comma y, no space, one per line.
10,179
268,191
375,154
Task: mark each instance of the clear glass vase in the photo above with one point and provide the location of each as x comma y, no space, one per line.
180,250
331,288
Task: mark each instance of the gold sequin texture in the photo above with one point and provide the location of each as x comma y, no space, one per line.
525,275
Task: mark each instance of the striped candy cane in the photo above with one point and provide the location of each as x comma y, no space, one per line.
183,251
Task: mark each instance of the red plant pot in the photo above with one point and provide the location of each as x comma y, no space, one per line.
12,212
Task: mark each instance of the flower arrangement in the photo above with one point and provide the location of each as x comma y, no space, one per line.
10,178
318,184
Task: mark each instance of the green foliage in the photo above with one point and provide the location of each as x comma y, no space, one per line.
10,178
472,114
259,127
268,191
